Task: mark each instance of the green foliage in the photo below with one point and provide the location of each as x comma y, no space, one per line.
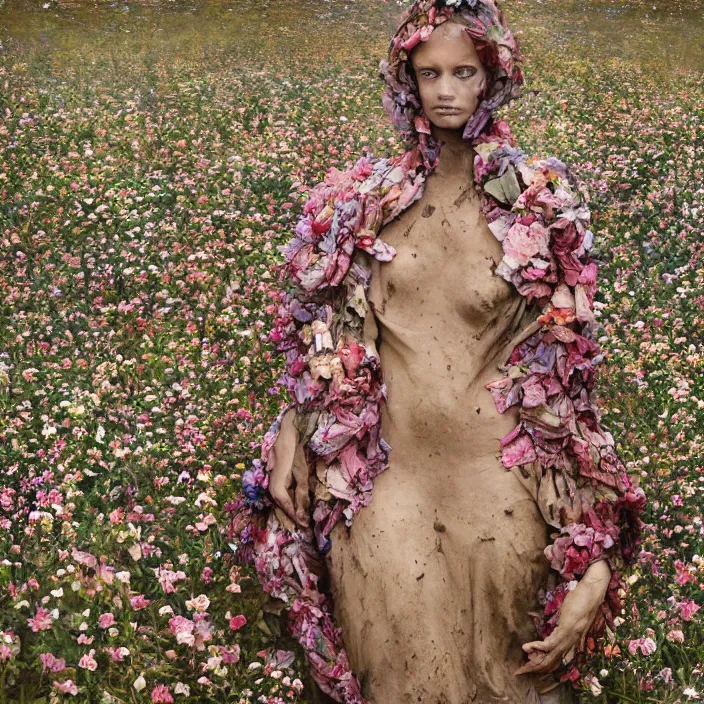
152,160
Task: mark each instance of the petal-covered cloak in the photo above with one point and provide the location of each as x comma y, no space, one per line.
334,379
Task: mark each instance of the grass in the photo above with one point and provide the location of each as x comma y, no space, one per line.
152,157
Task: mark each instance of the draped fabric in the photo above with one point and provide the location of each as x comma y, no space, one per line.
334,380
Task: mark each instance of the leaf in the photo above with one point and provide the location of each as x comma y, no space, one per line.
263,626
505,189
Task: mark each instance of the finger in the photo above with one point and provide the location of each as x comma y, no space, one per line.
301,473
299,465
540,663
284,447
302,504
555,659
271,458
539,645
283,500
552,662
533,646
533,664
563,640
280,481
583,639
285,503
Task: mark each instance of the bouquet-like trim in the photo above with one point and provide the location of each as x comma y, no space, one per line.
334,378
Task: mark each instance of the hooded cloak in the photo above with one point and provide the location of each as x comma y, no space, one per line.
333,376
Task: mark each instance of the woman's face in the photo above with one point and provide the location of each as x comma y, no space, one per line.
450,76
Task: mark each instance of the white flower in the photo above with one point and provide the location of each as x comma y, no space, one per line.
595,687
691,693
140,683
214,662
200,603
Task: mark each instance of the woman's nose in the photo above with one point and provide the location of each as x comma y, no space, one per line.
445,91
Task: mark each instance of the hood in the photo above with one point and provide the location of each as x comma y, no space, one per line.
495,44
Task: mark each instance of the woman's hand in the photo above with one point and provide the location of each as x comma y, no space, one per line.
577,614
289,465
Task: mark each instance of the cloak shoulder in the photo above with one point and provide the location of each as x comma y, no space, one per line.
559,449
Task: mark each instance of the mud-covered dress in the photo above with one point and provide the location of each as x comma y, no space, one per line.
433,583
466,457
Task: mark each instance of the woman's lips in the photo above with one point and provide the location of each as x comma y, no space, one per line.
448,111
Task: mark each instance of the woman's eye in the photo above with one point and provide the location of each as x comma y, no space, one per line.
467,72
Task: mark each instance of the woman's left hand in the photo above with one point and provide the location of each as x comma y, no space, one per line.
577,614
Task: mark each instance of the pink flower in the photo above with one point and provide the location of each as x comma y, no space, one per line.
7,499
683,576
116,654
203,630
168,577
42,620
675,636
665,675
688,609
106,573
88,661
66,687
52,663
182,628
230,656
84,558
518,448
139,602
521,243
161,694
106,620
647,646
237,622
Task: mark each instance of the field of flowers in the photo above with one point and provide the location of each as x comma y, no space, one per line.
152,157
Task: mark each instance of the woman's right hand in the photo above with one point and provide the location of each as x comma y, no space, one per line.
288,481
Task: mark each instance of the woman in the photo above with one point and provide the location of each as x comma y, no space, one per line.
433,593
